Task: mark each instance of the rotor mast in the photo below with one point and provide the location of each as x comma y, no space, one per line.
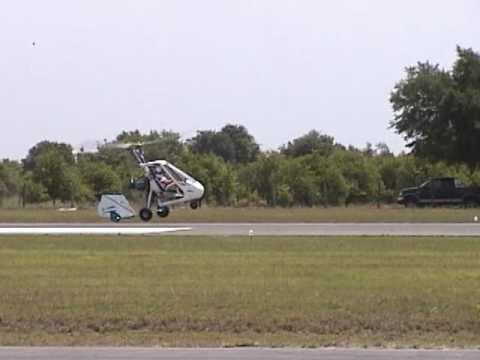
138,154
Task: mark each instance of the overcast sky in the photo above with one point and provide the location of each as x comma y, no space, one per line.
278,67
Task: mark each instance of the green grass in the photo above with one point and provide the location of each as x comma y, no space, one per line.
226,291
215,214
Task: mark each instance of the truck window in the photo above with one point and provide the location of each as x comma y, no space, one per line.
459,184
436,184
447,184
426,184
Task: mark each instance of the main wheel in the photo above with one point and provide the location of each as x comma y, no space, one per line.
163,211
145,214
115,217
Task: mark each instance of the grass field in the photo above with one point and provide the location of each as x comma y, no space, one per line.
217,291
215,214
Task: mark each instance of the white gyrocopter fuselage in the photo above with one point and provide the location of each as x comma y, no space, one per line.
166,185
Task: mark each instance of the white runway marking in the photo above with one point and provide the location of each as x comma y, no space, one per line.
89,230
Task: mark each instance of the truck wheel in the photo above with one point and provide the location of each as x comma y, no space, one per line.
115,217
145,214
163,211
410,203
470,203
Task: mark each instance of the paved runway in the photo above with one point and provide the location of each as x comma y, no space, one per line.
329,229
273,229
24,353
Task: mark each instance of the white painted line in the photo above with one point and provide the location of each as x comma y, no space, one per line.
87,231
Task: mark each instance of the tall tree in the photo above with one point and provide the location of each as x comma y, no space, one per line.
233,143
309,143
62,149
99,176
10,179
438,111
32,191
54,174
246,148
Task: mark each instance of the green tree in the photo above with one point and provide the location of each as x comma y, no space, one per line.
120,161
309,143
264,177
99,177
300,179
438,111
74,189
244,144
32,191
330,185
62,149
212,142
54,174
3,191
232,143
10,179
361,175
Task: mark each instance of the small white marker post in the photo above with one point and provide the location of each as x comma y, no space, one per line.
250,233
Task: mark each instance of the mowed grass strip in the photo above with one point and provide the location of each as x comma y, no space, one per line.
226,291
362,214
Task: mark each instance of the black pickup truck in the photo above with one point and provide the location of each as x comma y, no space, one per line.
440,191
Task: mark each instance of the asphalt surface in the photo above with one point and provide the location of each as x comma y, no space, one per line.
23,353
275,229
329,229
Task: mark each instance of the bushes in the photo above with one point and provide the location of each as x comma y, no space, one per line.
311,171
340,178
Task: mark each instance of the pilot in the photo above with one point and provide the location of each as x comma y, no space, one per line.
161,178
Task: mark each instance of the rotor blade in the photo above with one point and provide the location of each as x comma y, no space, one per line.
130,145
120,145
151,142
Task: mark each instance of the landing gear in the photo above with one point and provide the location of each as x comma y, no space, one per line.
145,214
194,205
163,211
115,217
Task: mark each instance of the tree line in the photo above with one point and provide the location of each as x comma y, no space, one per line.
436,110
312,170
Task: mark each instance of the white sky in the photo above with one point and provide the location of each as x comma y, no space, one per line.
278,67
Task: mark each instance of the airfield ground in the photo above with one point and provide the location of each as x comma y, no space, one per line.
234,291
354,214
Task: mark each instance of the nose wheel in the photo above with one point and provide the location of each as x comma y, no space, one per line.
194,205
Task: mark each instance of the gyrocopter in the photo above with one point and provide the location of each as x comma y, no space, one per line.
164,185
